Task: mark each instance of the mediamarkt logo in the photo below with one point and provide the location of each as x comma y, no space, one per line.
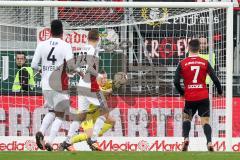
28,145
140,146
12,146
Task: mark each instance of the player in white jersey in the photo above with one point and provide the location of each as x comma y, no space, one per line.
54,54
88,89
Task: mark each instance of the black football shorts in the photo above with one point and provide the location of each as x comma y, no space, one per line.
202,106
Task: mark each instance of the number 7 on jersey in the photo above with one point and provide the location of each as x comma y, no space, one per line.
196,68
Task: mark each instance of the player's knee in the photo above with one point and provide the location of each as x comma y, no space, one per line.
59,114
204,120
89,133
187,117
106,116
74,117
111,120
82,116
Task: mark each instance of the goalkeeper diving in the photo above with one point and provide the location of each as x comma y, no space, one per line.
106,86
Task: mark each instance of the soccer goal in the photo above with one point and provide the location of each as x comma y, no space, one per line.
146,40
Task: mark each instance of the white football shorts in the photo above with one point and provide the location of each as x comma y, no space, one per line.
57,101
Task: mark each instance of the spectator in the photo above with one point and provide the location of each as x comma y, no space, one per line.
24,79
204,53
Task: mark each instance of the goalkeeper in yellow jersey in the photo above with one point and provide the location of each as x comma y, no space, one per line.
92,114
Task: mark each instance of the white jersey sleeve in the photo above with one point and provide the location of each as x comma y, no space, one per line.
36,58
92,62
69,54
69,58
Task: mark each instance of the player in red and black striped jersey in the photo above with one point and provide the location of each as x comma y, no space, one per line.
194,70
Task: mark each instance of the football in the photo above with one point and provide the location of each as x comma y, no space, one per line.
120,78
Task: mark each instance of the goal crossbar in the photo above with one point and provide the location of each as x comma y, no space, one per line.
84,4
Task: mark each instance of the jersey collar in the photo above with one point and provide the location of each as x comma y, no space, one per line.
193,55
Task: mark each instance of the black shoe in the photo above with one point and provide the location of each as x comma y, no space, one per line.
40,140
94,146
210,147
61,147
48,147
185,146
67,146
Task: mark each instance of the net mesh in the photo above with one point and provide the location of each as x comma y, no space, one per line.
146,43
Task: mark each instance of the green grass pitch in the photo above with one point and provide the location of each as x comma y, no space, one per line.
119,156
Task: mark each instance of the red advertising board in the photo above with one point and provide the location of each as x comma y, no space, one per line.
135,116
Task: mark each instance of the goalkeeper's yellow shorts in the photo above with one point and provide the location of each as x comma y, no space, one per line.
91,118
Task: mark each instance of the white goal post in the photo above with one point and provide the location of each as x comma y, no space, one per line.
130,22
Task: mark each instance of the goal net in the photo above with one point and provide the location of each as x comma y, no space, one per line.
144,40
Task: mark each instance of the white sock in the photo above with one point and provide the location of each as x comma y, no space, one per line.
47,120
74,126
55,128
97,127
